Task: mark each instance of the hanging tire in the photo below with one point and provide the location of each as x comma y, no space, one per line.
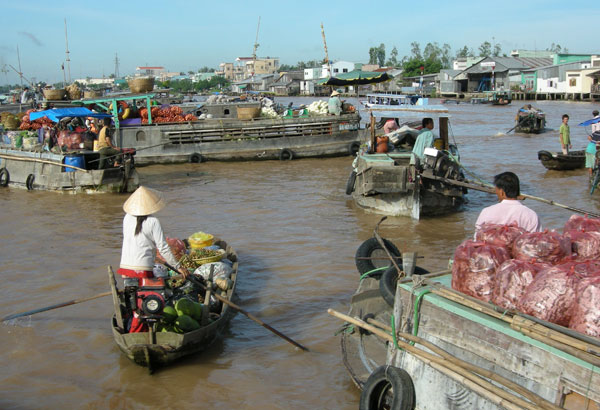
389,281
372,249
29,182
544,155
4,177
353,148
350,183
388,387
286,155
196,158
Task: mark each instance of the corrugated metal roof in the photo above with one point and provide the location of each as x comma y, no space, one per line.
532,62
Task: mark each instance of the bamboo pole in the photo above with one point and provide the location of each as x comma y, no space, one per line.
43,161
476,369
489,389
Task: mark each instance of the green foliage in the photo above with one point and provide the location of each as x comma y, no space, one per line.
412,67
485,49
556,48
393,61
184,86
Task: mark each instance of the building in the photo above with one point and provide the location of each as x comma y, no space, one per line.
95,81
337,68
288,83
548,79
150,71
258,82
462,63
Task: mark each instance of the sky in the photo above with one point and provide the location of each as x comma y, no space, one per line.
187,35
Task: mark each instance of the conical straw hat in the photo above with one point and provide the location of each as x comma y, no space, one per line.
144,201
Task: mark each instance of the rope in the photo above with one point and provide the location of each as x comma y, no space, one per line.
364,275
416,313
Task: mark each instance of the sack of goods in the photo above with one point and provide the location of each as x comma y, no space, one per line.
551,276
319,107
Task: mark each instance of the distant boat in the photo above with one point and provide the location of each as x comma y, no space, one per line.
562,162
530,120
401,102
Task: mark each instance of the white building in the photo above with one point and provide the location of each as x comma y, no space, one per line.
338,67
313,73
95,81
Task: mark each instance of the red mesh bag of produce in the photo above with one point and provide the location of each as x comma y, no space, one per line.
177,247
582,223
585,313
190,117
164,112
144,113
499,235
154,111
549,247
179,118
511,280
176,110
69,140
551,294
474,267
585,245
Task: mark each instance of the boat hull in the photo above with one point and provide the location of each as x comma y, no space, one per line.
244,140
402,204
559,161
25,172
476,338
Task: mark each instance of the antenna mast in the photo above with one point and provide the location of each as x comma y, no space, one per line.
326,61
116,66
254,49
67,52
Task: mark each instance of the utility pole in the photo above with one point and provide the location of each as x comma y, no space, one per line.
68,60
116,66
326,61
20,77
254,49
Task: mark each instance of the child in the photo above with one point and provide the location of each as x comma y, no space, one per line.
565,135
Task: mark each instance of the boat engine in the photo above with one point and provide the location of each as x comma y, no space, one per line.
441,164
148,296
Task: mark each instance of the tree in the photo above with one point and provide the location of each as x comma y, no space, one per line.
381,55
373,55
432,51
446,58
485,49
557,49
497,50
415,50
462,52
393,61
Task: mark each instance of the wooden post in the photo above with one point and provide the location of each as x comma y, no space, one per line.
116,303
372,150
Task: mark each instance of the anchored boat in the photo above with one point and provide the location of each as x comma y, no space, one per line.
154,348
463,353
562,162
393,183
247,137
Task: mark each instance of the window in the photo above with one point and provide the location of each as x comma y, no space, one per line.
345,70
573,82
335,70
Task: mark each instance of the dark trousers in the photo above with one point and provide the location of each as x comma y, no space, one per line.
107,152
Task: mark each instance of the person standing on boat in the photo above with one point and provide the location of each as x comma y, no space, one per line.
424,140
565,135
142,236
334,104
590,150
105,145
510,209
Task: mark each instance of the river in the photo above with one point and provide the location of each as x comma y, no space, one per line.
295,231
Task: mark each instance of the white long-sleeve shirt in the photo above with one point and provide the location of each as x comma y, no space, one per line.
139,251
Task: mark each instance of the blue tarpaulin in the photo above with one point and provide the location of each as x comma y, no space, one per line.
590,122
56,114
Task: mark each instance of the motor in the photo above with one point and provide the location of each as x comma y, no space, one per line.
147,296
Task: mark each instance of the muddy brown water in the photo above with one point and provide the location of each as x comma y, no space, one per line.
296,232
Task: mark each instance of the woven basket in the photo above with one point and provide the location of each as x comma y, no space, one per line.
247,113
141,85
210,259
91,94
58,94
11,123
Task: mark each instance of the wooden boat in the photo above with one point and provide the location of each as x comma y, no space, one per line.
153,349
65,172
473,332
499,97
400,102
234,139
530,121
392,184
562,162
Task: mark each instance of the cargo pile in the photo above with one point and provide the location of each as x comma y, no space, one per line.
183,312
319,107
552,276
27,124
166,114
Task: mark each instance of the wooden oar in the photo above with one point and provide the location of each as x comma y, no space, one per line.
239,309
518,123
483,188
58,305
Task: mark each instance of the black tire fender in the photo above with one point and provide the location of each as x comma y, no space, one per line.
286,155
4,177
544,155
390,381
367,249
353,148
196,158
29,182
389,281
350,183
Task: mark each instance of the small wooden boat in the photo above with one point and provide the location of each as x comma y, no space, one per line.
154,348
562,162
469,330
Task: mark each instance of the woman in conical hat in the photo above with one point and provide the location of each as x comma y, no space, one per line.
143,234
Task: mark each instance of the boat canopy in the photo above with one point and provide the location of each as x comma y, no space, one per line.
590,122
56,114
356,77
